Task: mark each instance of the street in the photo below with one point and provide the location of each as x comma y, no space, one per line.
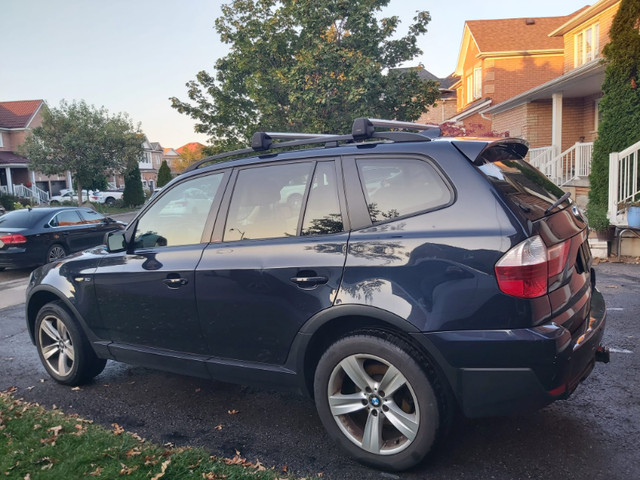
594,434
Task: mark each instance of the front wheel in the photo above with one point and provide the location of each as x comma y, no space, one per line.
63,348
376,396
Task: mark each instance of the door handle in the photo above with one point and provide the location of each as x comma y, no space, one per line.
174,283
309,282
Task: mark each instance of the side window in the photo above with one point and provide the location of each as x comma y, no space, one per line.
267,201
66,218
322,215
397,187
179,216
91,216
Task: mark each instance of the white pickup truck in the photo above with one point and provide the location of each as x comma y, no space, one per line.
108,197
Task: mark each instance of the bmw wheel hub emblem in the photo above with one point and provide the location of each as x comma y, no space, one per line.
375,401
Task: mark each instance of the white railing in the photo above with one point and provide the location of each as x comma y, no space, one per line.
33,192
4,189
561,169
623,182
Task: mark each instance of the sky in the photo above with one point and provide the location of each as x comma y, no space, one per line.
130,56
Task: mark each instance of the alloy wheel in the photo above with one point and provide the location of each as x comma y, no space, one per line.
56,345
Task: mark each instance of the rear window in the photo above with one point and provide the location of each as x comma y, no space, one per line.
20,219
523,186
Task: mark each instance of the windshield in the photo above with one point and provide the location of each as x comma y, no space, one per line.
525,187
19,219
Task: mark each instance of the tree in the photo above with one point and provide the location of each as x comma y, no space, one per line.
619,106
133,193
190,153
307,65
164,174
82,139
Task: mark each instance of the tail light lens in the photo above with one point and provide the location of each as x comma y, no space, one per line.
13,239
525,270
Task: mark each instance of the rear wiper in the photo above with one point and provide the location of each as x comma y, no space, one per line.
557,202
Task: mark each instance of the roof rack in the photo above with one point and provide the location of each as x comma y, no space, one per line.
362,129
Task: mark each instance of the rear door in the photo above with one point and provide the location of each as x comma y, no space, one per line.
276,260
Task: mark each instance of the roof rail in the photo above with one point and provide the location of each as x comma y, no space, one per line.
362,129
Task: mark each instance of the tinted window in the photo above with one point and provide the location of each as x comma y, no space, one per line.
91,216
20,219
267,201
322,215
179,216
523,185
66,218
397,187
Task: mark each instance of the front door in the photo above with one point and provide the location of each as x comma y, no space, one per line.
276,262
147,295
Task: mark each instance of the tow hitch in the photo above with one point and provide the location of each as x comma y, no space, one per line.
602,354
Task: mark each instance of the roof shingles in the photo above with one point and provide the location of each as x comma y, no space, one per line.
18,114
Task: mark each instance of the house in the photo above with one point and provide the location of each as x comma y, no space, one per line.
150,163
446,107
500,59
172,157
559,117
17,118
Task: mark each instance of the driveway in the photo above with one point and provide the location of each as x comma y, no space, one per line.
595,434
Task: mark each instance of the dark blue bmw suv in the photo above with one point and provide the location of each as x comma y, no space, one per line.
395,276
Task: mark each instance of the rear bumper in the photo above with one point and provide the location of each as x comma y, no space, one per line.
17,258
500,372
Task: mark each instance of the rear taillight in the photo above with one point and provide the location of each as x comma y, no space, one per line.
525,270
13,239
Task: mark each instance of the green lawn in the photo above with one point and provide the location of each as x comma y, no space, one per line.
36,443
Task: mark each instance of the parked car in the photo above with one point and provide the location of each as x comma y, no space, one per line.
34,236
68,196
414,276
108,197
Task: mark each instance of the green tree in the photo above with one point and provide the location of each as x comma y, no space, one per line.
82,139
307,65
133,193
164,174
619,107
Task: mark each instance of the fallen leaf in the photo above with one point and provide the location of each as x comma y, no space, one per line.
30,388
117,429
233,412
197,390
133,452
258,466
75,389
127,470
285,469
162,470
218,427
97,472
55,430
13,389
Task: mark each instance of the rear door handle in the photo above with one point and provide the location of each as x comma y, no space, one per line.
309,282
174,283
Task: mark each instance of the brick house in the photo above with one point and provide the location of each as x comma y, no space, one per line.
500,59
559,117
172,157
16,120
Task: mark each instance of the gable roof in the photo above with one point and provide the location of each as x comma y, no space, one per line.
582,16
18,114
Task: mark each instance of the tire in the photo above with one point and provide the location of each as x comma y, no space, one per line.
63,348
110,201
54,202
55,252
393,429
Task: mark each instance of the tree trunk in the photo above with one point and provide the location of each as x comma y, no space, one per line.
79,192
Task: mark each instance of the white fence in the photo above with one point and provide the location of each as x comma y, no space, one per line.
623,182
564,167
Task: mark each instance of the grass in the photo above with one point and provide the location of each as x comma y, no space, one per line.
36,443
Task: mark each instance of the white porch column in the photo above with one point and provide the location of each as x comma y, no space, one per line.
9,180
69,181
556,122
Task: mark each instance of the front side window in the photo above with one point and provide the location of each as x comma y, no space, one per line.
267,202
179,216
398,187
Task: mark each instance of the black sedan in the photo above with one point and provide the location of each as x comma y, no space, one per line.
36,236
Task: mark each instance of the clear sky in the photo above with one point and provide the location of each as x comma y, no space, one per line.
132,55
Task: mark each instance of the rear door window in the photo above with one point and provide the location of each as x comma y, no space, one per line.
398,187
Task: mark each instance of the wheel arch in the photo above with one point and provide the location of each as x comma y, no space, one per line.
337,322
40,298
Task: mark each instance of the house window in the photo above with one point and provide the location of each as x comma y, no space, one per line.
587,45
477,83
597,114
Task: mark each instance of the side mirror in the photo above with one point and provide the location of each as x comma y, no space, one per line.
115,242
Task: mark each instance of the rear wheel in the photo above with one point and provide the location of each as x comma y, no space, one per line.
55,252
63,348
377,401
110,201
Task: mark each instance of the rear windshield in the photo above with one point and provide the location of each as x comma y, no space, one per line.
524,187
19,219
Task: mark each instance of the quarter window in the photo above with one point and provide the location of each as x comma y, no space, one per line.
398,187
178,217
91,216
267,202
